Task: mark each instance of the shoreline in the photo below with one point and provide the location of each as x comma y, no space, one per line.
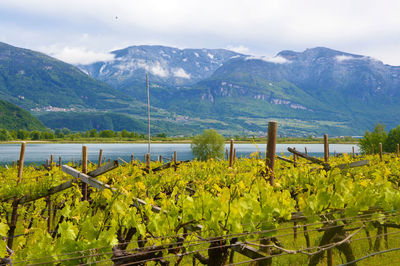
187,141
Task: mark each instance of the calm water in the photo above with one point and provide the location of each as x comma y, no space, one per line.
38,153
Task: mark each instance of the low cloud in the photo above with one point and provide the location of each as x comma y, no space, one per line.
341,58
181,73
241,49
275,59
158,70
78,55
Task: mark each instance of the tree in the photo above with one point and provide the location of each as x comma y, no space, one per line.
392,140
370,142
35,135
22,134
93,133
4,135
208,145
59,133
107,134
125,134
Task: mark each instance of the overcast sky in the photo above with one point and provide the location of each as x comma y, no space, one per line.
83,31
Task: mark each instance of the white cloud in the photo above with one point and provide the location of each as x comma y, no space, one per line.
341,58
78,55
241,49
158,70
264,27
275,59
181,73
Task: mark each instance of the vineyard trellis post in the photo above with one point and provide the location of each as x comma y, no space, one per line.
84,170
326,148
100,157
231,153
354,155
380,151
398,150
271,148
21,161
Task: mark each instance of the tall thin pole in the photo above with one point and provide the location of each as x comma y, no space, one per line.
326,148
148,108
271,149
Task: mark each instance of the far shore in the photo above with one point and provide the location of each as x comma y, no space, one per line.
178,141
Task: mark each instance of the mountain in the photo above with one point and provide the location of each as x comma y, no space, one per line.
169,69
340,92
13,117
56,91
316,91
167,65
33,80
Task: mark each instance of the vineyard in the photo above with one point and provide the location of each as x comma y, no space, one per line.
294,210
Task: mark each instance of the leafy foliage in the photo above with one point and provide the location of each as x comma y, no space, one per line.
225,201
208,145
370,142
392,140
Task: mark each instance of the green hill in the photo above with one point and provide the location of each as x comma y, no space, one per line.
13,117
34,80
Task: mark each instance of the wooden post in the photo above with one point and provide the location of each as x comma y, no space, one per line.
59,162
271,148
227,154
398,151
305,150
234,155
373,148
73,162
84,170
100,157
326,148
47,163
354,154
160,158
231,154
294,156
148,160
49,214
13,165
51,161
175,157
380,151
330,257
21,161
132,159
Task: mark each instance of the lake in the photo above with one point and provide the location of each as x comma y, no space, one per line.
38,153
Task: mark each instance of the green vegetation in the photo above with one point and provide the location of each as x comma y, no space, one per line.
369,144
306,206
31,79
208,145
13,117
